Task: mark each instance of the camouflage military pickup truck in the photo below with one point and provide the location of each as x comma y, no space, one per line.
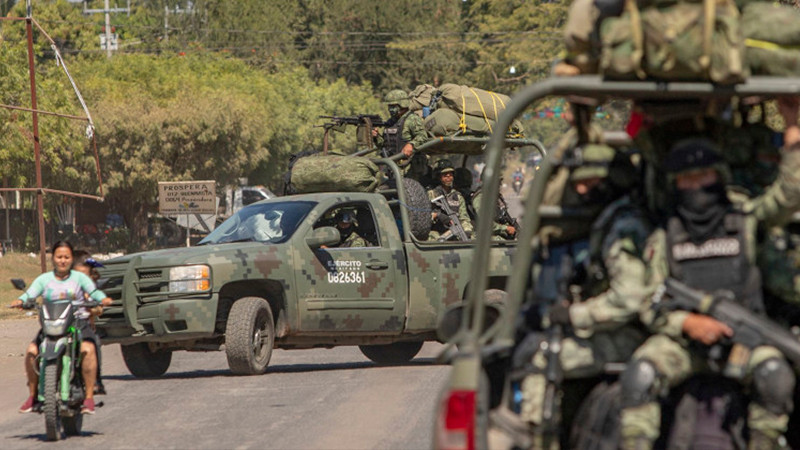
272,276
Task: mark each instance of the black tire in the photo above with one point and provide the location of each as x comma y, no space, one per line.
249,336
388,354
418,206
73,425
52,417
145,363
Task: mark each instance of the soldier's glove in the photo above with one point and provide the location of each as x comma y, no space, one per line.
443,219
559,314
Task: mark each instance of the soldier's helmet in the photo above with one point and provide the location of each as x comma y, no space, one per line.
602,161
345,217
397,97
442,166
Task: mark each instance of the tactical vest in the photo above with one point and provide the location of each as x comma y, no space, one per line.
393,136
717,263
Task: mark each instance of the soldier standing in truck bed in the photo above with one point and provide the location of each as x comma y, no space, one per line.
404,131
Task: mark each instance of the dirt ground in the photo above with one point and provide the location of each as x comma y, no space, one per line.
14,338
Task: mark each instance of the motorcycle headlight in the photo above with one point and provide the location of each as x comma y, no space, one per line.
55,327
190,278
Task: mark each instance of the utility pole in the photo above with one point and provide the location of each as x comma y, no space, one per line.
107,11
36,148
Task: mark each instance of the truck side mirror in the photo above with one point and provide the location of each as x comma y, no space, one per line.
323,236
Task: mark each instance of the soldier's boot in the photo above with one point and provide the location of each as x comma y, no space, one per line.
640,418
768,413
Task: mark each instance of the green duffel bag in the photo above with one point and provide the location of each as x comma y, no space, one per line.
446,122
473,101
421,97
335,173
679,42
772,37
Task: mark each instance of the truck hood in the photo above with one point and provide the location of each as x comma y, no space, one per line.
192,255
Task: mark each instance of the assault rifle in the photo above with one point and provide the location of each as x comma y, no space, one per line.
455,225
503,216
370,120
749,329
554,373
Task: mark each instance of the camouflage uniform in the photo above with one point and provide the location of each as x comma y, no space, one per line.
666,359
353,240
457,203
402,127
499,230
603,322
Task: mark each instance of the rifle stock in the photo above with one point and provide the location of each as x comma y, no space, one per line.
749,329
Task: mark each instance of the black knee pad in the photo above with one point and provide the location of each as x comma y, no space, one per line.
638,383
523,353
773,382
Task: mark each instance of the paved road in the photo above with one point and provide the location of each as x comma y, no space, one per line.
309,399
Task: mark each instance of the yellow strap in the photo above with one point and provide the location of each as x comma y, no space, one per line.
483,111
637,35
766,45
462,121
710,13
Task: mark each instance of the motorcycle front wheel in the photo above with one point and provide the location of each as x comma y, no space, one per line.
52,416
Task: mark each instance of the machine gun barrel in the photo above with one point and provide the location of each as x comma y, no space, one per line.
749,329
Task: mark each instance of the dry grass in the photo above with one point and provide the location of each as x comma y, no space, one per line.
15,265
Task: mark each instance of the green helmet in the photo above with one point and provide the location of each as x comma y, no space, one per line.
397,97
596,160
442,166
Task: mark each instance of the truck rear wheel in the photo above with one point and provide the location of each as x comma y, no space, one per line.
145,363
249,336
397,353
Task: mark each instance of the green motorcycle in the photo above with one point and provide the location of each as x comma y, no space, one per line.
61,388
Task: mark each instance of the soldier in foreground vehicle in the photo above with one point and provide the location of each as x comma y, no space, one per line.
709,244
590,289
442,223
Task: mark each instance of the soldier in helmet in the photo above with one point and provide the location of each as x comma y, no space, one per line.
346,224
404,132
504,226
444,174
593,284
708,242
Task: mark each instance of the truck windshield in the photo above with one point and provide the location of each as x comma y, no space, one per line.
273,222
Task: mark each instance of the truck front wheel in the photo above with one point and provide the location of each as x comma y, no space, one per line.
145,363
249,336
397,353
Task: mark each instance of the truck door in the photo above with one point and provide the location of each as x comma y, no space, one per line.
359,285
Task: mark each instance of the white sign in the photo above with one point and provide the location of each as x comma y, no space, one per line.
187,197
113,39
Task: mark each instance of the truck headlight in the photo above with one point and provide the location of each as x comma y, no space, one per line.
189,278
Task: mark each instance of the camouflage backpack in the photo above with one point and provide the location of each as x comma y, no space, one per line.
335,173
697,41
772,37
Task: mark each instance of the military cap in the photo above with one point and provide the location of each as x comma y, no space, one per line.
689,154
